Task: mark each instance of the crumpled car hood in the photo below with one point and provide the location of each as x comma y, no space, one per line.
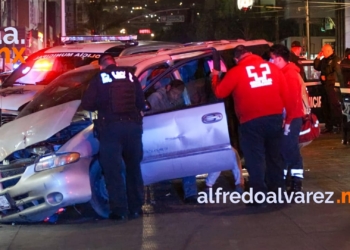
35,128
14,97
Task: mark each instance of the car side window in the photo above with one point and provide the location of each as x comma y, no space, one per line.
148,75
311,74
187,86
196,76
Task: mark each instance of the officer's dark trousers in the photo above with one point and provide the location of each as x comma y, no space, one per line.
120,155
260,142
331,106
290,149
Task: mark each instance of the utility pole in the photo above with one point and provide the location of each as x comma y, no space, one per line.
308,43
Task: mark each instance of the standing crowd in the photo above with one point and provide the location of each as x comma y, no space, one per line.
270,103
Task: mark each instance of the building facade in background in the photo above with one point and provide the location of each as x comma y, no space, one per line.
27,16
148,18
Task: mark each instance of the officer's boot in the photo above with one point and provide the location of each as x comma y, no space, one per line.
296,184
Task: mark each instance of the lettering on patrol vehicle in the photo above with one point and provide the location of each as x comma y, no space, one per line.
259,81
87,55
117,75
315,101
70,54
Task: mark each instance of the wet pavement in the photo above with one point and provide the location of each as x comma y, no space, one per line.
168,223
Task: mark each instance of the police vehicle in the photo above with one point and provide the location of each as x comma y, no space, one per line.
40,68
315,89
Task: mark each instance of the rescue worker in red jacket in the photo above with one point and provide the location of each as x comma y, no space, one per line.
259,91
279,55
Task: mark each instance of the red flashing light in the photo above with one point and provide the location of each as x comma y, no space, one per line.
145,31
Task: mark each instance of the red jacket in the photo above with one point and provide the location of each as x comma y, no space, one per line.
258,88
291,72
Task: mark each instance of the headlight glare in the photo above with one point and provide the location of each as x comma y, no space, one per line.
52,161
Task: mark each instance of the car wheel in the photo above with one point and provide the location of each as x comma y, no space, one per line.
99,194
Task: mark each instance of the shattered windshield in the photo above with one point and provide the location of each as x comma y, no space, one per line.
66,88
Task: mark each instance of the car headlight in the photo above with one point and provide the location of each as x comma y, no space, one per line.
56,160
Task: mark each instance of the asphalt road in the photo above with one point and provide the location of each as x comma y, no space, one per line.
168,223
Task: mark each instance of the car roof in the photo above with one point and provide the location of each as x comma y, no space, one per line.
101,47
141,61
154,46
218,45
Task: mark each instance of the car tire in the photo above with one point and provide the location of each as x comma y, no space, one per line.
99,194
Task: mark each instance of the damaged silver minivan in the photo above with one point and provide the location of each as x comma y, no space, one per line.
48,155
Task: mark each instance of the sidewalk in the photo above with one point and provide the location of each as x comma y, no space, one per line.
170,224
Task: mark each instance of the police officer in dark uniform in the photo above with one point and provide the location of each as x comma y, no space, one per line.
329,66
118,97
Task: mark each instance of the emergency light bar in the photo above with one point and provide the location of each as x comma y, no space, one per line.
67,39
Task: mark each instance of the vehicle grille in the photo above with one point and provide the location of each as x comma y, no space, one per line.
11,174
5,118
9,177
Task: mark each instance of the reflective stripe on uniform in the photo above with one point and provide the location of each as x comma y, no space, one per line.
305,131
297,173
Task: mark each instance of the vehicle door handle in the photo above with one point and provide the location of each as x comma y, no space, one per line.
212,117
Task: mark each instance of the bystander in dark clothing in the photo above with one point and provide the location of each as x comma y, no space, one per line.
260,93
294,57
329,66
117,96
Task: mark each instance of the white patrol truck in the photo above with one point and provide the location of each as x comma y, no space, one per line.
45,65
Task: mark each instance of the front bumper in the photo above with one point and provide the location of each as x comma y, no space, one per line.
38,195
